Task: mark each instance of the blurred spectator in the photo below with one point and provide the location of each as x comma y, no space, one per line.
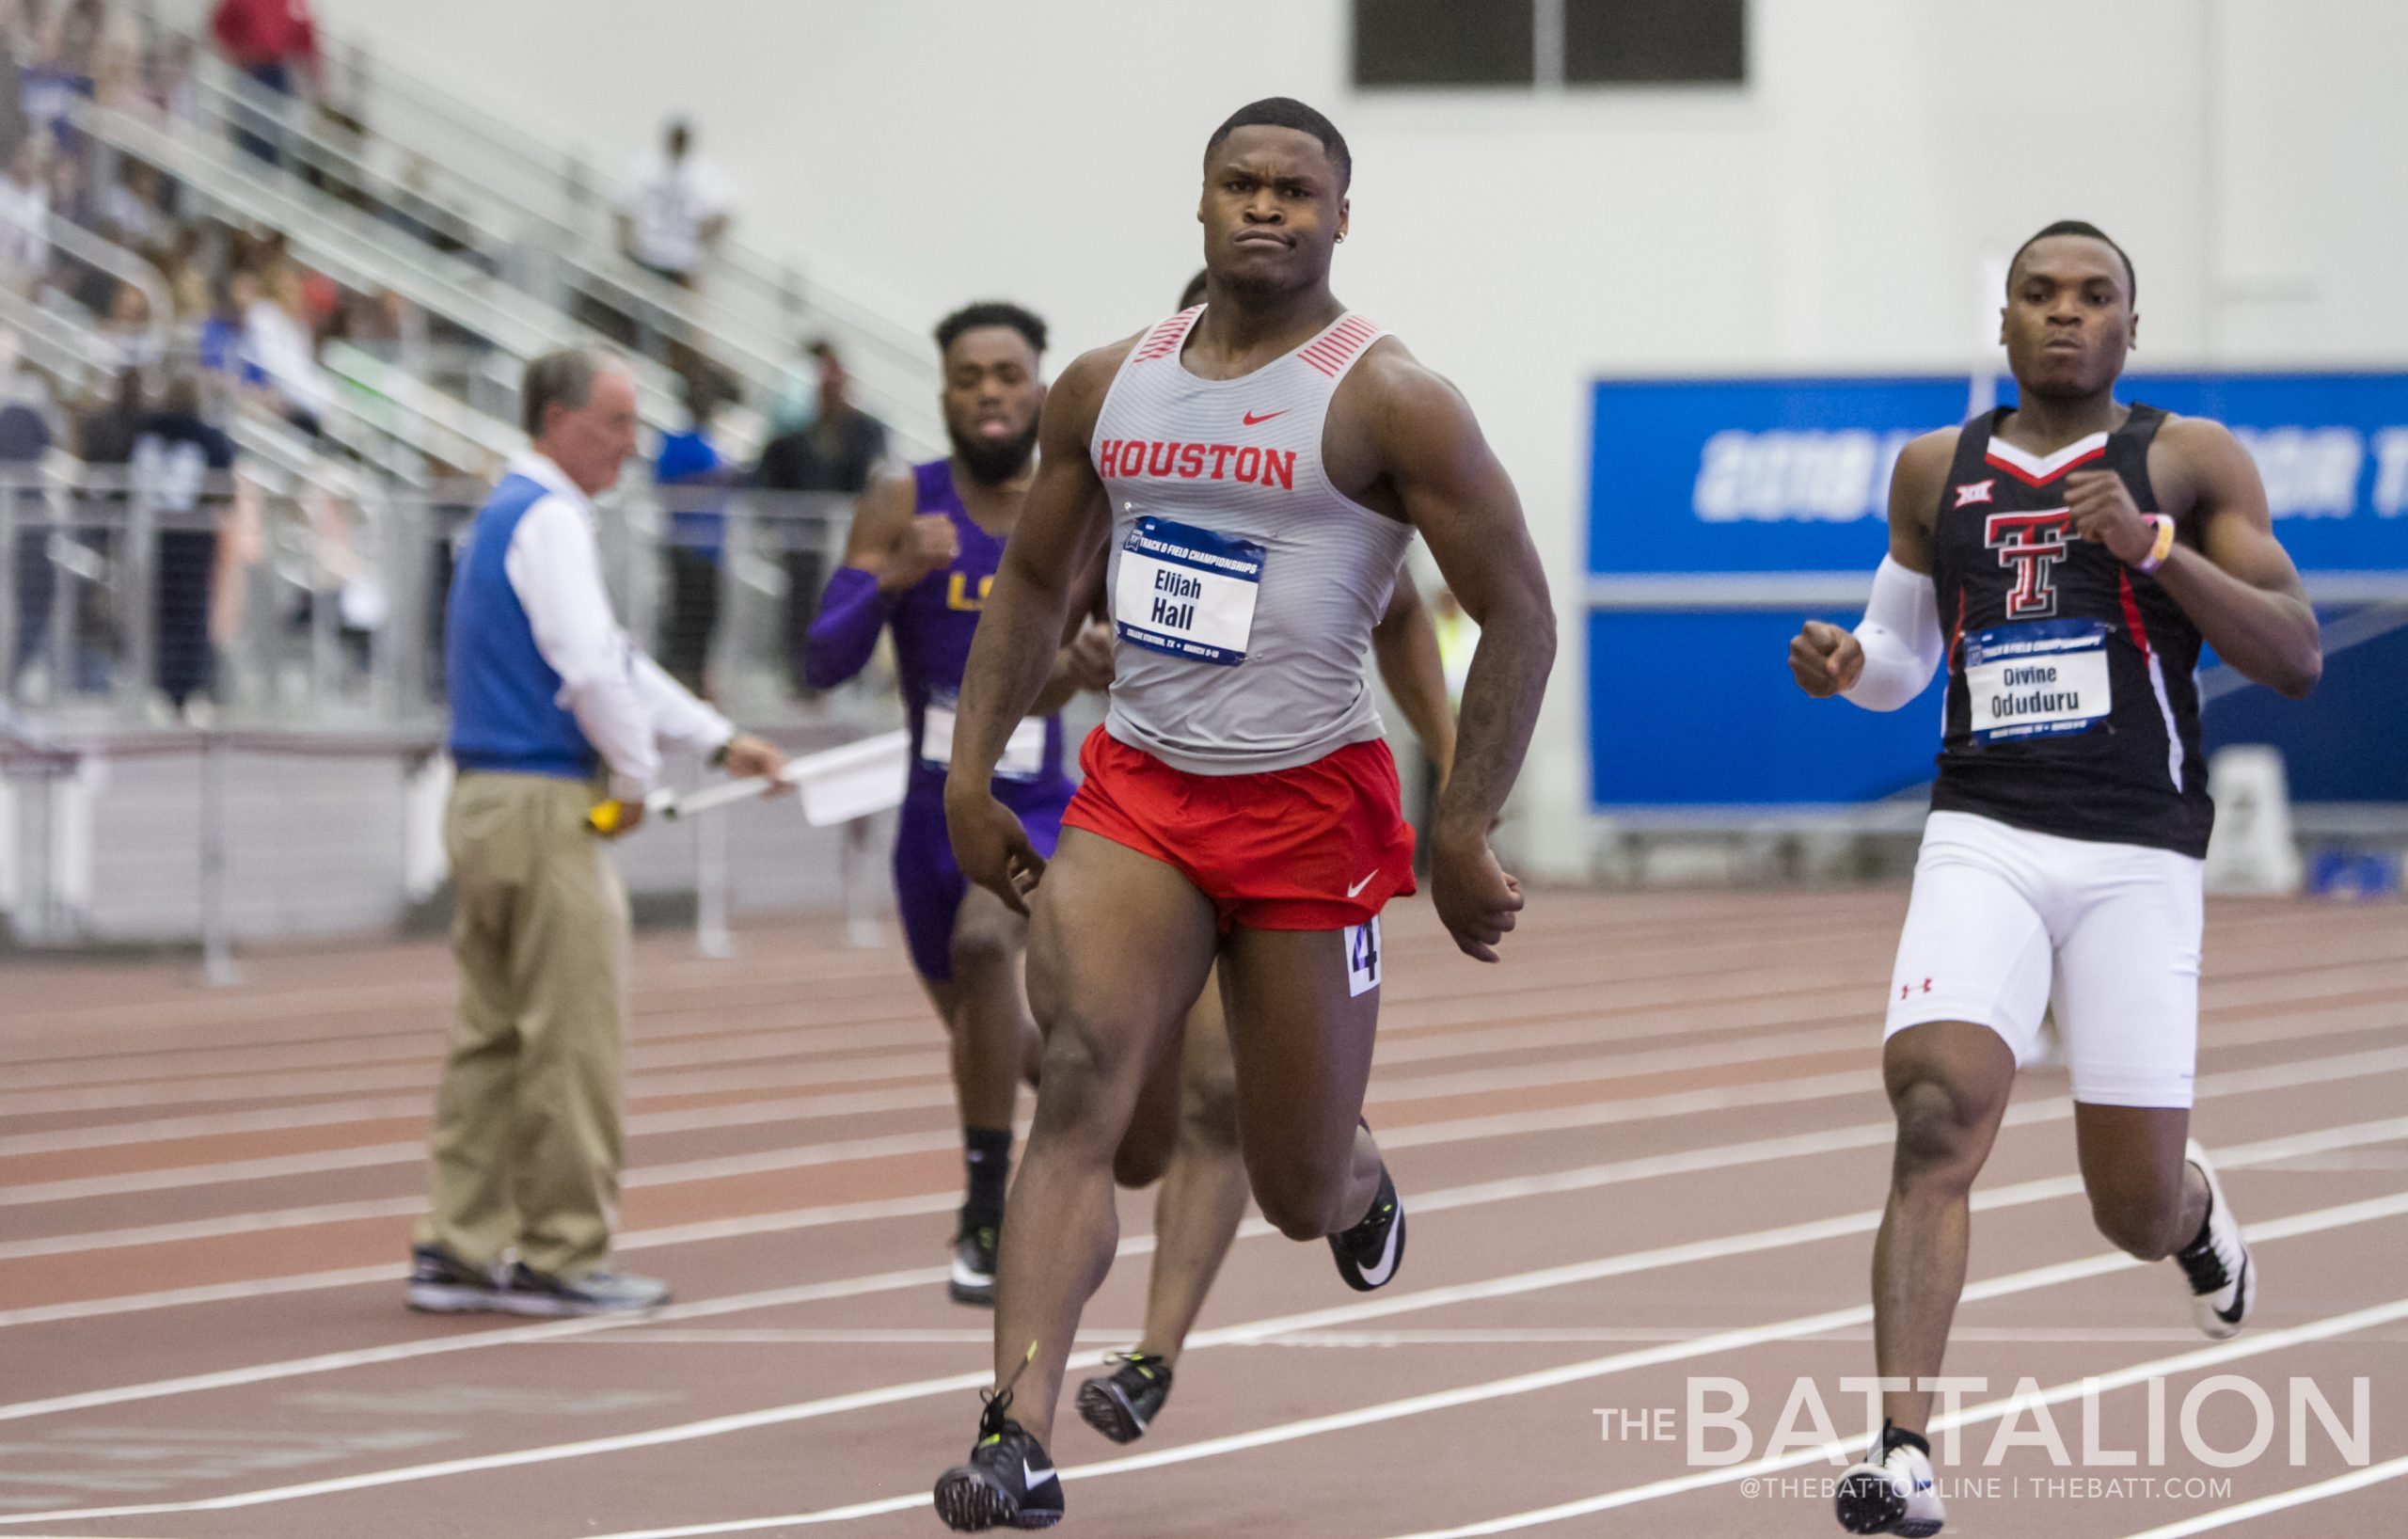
61,70
675,208
219,342
794,401
692,474
275,44
133,210
839,450
172,87
16,49
25,216
120,81
131,331
104,429
180,465
25,438
277,347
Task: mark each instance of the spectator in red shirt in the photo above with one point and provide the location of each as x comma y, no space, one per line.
268,40
275,44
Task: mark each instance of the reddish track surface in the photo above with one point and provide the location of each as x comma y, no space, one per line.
1642,1154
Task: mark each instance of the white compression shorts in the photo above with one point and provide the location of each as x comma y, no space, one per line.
2004,922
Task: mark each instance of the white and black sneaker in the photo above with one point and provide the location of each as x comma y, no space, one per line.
1893,1490
2221,1273
971,1281
442,1283
1008,1480
1369,1254
530,1292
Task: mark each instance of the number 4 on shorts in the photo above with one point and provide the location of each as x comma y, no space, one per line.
1363,956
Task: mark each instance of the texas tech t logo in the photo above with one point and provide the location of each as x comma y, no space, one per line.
2030,544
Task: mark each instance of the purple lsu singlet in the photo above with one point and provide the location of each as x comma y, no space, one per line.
933,622
932,625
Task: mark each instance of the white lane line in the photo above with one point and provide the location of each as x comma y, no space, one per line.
2299,1495
1372,1340
2345,1066
938,1093
1406,1088
1594,1114
862,1336
2226,999
1520,1383
2237,1157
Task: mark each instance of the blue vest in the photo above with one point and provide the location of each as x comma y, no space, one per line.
505,714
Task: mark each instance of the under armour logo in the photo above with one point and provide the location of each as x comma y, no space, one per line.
1974,491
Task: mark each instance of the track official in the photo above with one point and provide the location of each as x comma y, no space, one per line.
551,706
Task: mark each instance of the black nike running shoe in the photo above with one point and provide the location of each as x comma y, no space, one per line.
1369,1254
1007,1483
973,1281
1121,1404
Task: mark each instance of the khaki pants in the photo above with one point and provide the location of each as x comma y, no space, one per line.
526,1146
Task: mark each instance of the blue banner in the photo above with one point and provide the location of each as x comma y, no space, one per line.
1777,477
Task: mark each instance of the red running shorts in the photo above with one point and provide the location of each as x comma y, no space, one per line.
1323,846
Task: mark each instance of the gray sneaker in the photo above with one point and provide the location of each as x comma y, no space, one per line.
530,1292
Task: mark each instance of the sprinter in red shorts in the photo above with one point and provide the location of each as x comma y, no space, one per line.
1257,466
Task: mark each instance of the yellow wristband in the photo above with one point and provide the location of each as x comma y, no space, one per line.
2160,547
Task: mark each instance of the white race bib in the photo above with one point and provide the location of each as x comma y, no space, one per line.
1187,590
1363,956
1024,755
2041,679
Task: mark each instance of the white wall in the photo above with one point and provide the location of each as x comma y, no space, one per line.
1832,214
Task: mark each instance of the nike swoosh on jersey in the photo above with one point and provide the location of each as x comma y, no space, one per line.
1251,420
1361,885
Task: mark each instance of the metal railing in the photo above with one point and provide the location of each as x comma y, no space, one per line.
317,601
224,702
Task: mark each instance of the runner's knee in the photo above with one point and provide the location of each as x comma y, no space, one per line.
982,948
2139,1214
1091,1083
1943,1134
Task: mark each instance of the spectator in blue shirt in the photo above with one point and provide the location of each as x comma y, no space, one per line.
693,477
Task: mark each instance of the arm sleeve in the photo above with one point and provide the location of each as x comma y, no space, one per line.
556,571
1901,639
839,643
677,714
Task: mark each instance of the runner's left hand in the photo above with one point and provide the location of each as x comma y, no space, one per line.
2104,514
1475,900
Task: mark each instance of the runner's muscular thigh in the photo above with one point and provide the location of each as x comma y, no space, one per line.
1119,946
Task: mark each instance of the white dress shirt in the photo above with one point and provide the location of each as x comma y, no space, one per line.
623,700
